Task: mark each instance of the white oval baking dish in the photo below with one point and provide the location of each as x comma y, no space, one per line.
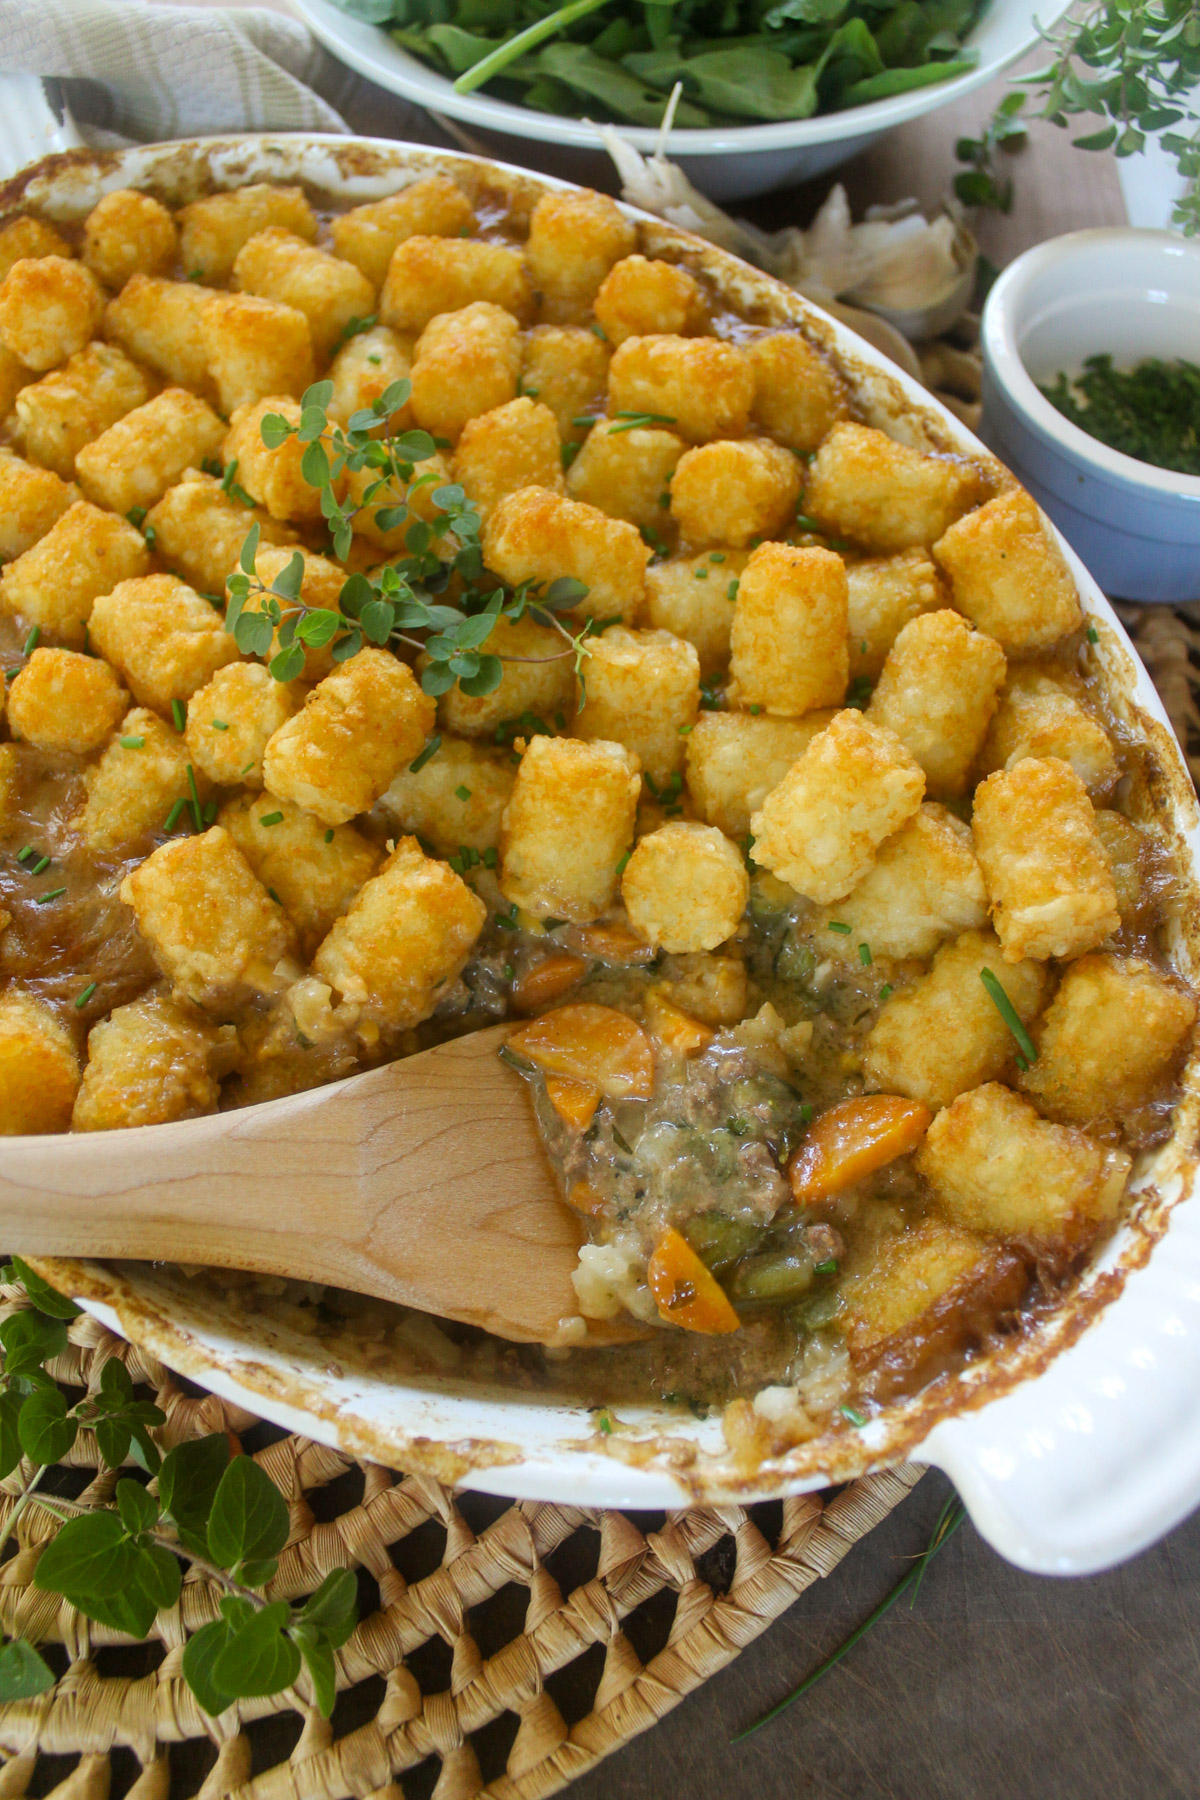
1076,1447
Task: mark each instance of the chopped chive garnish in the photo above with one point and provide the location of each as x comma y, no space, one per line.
135,515
210,812
43,862
664,499
31,642
178,714
1009,1014
1093,635
864,955
131,743
568,453
490,857
583,420
457,864
197,809
247,768
731,592
220,725
172,819
25,854
462,793
623,864
275,818
685,730
508,972
885,992
508,921
700,574
52,895
754,710
599,331
151,537
329,835
716,556
427,754
622,1143
837,925
806,1114
552,924
81,1000
855,1418
274,896
828,1267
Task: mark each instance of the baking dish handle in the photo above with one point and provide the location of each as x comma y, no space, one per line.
29,126
1100,1456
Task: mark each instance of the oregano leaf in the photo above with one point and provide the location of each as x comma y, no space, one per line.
145,1450
376,621
10,1438
347,647
90,1556
413,446
275,430
199,1658
31,1339
138,1510
486,681
393,397
46,1431
116,1389
314,465
187,1484
249,1518
333,1609
159,1574
258,1658
318,395
436,680
288,664
473,632
564,592
257,1574
113,1437
319,627
318,1660
249,548
47,1299
23,1674
288,582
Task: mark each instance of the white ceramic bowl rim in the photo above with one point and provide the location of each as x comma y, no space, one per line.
999,339
347,38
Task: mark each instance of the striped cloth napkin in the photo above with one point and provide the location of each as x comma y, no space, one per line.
132,71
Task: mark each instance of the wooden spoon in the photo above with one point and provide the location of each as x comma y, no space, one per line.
424,1181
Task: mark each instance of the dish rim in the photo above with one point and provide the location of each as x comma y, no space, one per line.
998,341
425,86
575,1469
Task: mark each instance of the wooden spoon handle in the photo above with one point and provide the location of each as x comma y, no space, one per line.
423,1181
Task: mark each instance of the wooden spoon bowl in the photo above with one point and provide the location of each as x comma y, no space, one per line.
424,1182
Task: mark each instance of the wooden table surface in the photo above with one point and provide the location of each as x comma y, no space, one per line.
995,1683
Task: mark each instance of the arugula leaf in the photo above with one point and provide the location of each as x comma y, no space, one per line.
249,1519
751,82
900,81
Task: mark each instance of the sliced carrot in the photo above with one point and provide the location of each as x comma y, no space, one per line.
853,1139
685,1292
676,1030
615,943
584,1198
597,1045
547,980
575,1102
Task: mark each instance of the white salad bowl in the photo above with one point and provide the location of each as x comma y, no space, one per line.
1130,294
1074,1445
726,162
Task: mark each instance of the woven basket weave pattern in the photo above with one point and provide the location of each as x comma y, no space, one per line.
90,1714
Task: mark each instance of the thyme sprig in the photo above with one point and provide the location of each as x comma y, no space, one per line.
399,603
1134,65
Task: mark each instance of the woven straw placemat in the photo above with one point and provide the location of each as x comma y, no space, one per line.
465,1628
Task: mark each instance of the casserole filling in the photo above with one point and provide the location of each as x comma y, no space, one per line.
427,616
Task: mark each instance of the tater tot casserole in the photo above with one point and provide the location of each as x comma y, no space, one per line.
439,612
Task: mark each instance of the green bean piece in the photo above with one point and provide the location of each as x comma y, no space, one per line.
777,1277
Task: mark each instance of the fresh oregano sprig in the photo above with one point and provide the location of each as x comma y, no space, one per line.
398,603
1134,65
120,1564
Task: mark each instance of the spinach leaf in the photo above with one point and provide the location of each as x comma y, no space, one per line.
900,81
581,69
